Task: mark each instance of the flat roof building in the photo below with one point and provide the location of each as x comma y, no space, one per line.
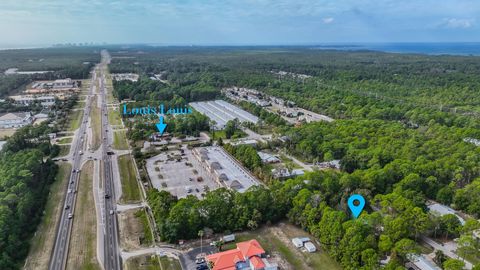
224,168
125,77
268,158
15,119
221,112
442,210
63,83
25,100
284,173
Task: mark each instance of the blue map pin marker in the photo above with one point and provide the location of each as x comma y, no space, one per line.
356,209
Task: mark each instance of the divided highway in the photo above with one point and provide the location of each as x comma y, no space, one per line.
58,259
111,260
112,254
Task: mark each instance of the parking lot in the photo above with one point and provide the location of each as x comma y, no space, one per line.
179,173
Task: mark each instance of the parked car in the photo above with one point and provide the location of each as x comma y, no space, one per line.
203,266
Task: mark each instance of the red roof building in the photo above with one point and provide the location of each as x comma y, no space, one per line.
247,256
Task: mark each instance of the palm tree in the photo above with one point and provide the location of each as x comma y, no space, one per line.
200,233
212,128
219,244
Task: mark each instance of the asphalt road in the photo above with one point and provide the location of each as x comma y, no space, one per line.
112,255
187,261
58,259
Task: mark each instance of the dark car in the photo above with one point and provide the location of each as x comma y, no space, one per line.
107,196
202,267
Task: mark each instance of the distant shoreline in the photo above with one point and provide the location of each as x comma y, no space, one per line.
426,48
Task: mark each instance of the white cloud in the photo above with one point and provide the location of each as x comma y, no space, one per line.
458,23
328,20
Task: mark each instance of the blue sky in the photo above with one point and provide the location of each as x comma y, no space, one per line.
238,22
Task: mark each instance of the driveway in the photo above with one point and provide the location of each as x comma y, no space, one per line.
188,259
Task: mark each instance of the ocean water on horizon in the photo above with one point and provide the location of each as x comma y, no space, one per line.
441,48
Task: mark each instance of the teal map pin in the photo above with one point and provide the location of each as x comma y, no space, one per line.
356,209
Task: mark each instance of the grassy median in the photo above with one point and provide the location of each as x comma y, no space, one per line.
130,189
74,120
120,140
114,117
83,243
96,123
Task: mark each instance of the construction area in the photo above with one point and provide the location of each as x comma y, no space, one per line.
221,112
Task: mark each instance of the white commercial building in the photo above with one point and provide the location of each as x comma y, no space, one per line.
64,83
441,210
221,112
25,100
224,168
15,119
125,77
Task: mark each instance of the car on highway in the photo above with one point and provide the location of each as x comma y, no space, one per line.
69,191
112,212
67,207
70,216
107,196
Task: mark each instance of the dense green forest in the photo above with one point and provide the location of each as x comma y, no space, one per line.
416,88
318,206
25,177
400,130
